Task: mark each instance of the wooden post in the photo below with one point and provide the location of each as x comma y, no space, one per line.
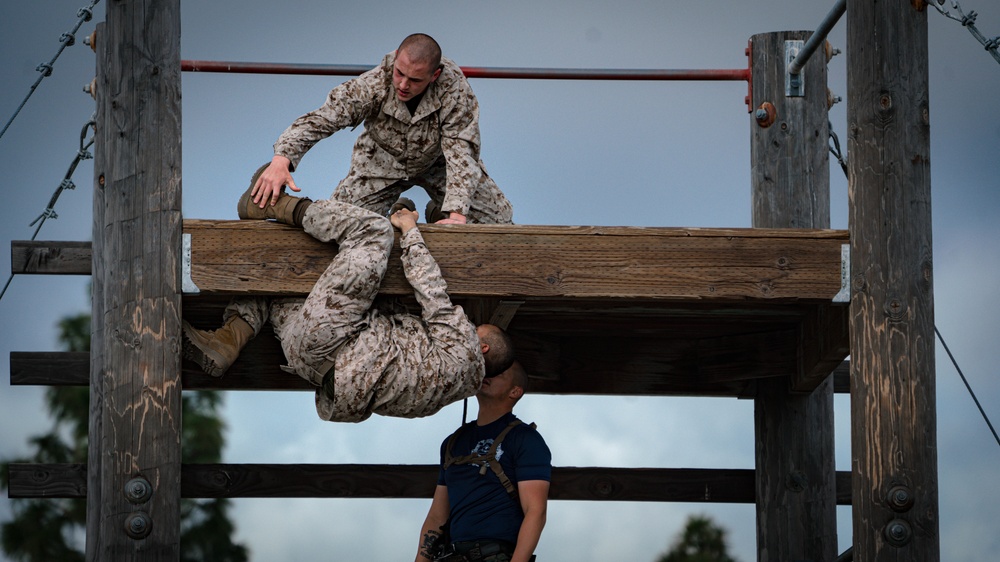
893,420
796,486
134,463
97,282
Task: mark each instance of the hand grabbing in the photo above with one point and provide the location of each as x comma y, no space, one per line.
404,220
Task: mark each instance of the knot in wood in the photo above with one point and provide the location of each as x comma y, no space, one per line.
221,479
603,487
796,481
895,309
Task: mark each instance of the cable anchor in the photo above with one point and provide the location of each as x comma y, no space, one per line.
46,214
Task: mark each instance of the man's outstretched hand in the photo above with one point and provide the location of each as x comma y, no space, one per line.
268,187
404,220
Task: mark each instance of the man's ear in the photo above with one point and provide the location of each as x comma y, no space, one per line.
484,347
516,393
437,73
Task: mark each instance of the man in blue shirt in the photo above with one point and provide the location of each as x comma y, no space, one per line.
494,482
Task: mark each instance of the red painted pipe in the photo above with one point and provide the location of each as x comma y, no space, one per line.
470,71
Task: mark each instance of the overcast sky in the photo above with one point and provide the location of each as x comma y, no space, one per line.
565,152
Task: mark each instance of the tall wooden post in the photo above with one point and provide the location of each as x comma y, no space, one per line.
790,174
134,461
893,420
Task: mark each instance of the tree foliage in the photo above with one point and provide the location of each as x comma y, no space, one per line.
43,530
700,541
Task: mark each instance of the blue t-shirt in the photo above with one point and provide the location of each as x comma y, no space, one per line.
480,506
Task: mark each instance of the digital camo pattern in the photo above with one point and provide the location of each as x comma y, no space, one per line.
436,148
390,364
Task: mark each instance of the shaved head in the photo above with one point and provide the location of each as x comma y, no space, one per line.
422,48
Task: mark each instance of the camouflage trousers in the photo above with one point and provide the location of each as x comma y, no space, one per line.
488,205
312,330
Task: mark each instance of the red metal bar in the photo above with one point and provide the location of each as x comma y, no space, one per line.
471,71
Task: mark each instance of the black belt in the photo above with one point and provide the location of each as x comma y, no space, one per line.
477,550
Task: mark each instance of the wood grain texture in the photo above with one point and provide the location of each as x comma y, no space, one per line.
790,178
694,485
893,416
254,257
136,388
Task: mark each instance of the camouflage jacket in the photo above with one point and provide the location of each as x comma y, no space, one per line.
405,365
395,145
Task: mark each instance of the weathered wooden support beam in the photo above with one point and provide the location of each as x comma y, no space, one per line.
253,257
411,481
790,175
678,311
72,369
893,395
135,418
504,261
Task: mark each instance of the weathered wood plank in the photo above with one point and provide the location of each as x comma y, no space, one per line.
536,261
411,481
136,390
893,395
790,181
256,257
72,369
53,258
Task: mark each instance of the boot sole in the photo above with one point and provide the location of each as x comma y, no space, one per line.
195,348
246,209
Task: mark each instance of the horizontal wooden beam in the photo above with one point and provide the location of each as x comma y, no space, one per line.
411,481
592,310
32,368
260,257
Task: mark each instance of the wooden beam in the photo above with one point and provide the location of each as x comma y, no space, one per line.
411,481
790,176
824,341
258,257
51,258
62,368
135,414
893,395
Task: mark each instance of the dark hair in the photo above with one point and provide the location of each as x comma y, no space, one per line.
519,375
422,47
501,353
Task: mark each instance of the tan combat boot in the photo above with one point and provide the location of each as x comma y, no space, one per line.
216,351
402,203
433,212
283,211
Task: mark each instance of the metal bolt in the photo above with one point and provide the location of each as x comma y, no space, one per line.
138,525
138,490
898,532
91,88
900,499
765,114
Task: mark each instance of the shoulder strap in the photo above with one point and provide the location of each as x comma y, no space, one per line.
488,459
450,459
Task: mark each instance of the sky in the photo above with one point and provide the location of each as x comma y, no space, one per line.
565,152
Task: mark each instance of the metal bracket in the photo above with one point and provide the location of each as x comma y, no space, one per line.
187,283
504,313
795,85
845,275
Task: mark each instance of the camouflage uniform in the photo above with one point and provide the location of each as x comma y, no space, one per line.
436,148
395,365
